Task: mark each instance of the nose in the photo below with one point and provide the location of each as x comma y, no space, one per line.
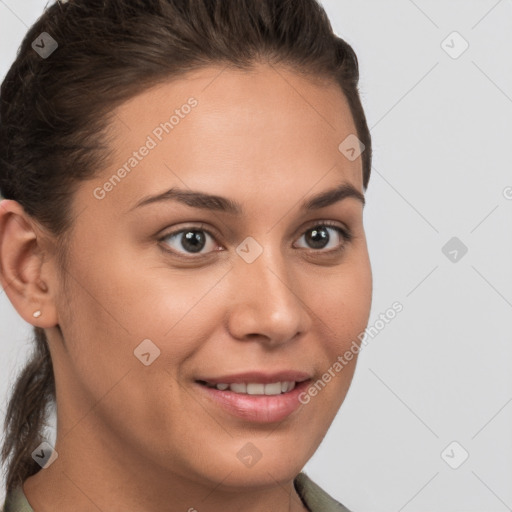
268,301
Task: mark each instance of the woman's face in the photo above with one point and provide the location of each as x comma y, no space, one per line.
163,296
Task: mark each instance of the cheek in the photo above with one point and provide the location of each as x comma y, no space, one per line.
117,297
343,311
343,306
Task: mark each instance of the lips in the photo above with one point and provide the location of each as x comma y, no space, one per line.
255,396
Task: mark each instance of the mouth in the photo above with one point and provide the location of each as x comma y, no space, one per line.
259,402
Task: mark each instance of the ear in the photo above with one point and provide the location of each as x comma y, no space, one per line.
26,272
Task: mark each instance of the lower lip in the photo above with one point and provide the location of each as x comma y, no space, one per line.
257,408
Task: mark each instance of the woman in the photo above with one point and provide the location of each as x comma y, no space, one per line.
183,226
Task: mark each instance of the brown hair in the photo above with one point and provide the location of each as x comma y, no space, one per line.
55,111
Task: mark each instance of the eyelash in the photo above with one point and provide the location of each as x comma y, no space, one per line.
345,234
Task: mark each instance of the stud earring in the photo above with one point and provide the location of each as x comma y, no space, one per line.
37,314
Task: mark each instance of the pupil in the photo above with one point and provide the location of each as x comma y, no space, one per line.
193,241
320,237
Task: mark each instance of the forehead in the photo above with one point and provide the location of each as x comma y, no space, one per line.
217,127
261,103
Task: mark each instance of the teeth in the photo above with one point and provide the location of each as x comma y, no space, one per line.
238,387
273,389
253,388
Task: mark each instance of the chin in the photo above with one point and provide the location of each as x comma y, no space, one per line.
258,462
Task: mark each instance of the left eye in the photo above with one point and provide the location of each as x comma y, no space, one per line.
319,236
194,240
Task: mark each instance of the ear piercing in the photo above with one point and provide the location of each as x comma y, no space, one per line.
37,313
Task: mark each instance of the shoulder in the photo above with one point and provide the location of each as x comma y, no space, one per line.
314,497
15,501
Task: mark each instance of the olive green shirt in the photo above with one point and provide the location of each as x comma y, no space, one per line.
314,498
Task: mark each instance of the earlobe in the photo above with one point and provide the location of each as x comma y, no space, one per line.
22,267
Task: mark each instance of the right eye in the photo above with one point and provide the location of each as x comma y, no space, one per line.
191,240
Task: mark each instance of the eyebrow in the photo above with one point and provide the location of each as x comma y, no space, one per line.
205,201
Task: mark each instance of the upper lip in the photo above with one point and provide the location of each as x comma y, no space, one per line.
258,377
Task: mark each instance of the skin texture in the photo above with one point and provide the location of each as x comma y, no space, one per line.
133,437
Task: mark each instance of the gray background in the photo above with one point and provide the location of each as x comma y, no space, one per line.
439,372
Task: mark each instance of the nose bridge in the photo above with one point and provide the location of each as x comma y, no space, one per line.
267,302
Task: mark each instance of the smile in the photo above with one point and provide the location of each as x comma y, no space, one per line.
254,388
255,402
